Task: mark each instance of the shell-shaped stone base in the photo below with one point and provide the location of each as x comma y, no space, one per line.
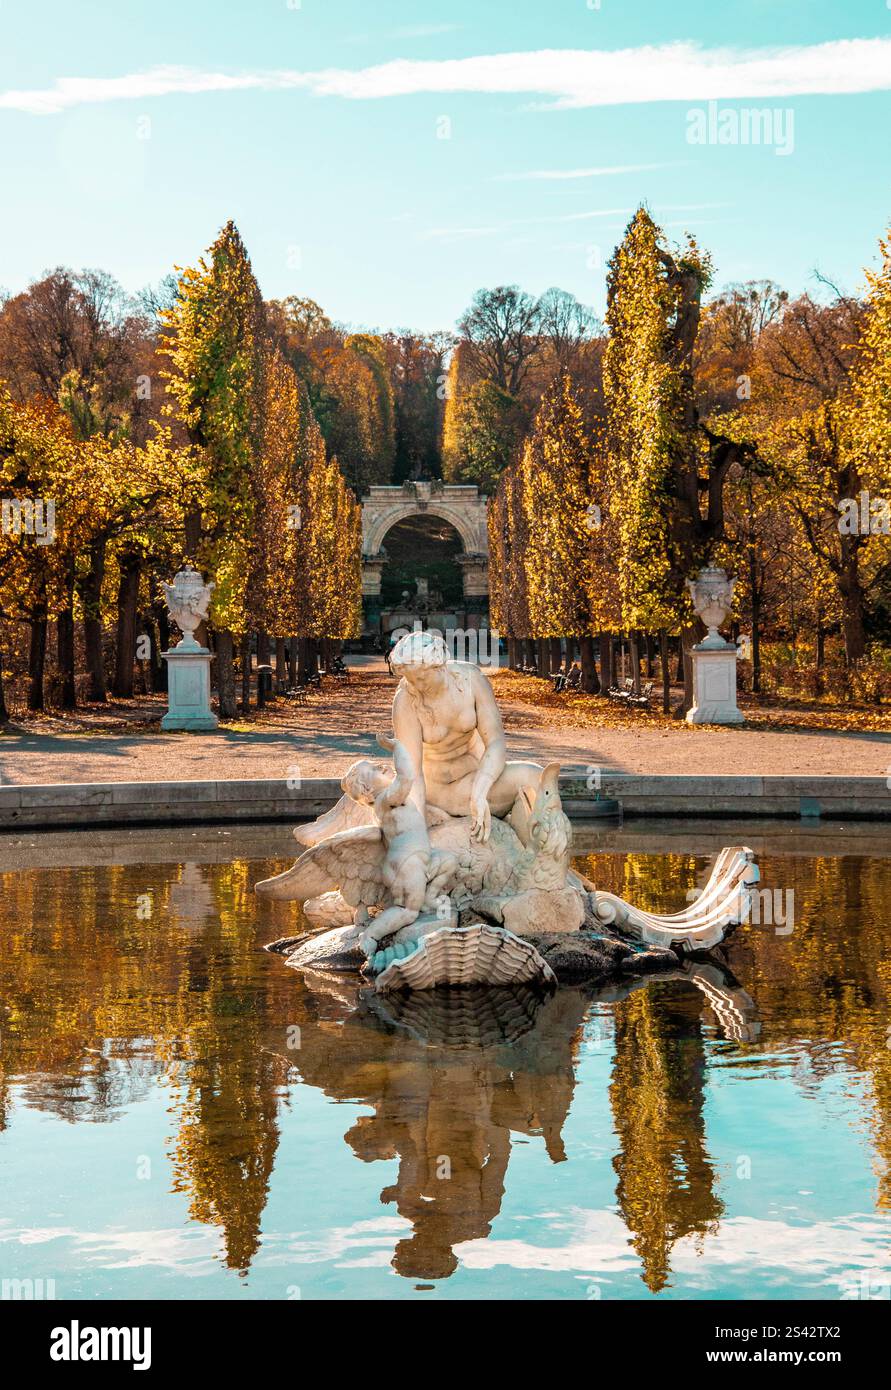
475,955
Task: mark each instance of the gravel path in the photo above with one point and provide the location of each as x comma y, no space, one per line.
339,724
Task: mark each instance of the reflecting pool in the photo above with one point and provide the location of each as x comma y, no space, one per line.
182,1115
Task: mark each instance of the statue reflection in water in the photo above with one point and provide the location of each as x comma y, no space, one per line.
452,1075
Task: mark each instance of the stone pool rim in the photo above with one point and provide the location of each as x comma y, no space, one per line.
88,805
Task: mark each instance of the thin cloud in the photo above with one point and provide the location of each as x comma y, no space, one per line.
568,77
68,92
466,233
596,173
617,212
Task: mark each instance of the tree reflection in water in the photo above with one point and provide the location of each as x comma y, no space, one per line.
101,1000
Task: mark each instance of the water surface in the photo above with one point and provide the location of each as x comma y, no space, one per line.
182,1115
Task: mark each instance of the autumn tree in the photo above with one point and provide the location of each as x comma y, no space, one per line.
215,344
78,339
550,538
501,331
306,572
669,466
419,376
834,457
484,437
349,383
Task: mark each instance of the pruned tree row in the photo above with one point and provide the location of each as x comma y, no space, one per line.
598,520
226,469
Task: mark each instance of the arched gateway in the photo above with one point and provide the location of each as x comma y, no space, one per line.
461,508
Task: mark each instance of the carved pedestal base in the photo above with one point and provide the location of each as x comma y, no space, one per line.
714,686
188,690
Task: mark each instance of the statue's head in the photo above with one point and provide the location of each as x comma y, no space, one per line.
421,657
364,780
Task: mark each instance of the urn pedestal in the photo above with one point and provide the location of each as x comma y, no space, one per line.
188,689
714,685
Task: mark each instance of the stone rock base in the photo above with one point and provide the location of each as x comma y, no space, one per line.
582,957
524,914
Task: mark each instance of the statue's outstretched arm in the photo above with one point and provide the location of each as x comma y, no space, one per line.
400,788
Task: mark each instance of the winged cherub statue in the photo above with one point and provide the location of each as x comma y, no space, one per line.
414,875
389,864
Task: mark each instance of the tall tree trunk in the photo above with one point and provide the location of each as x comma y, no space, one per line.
556,655
246,673
37,661
159,627
125,641
634,652
192,527
281,662
225,649
543,657
4,712
756,621
293,661
756,646
665,664
852,604
263,648
65,659
606,661
569,655
588,682
91,597
688,639
65,648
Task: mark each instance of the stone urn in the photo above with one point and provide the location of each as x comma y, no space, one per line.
188,601
711,593
714,660
188,663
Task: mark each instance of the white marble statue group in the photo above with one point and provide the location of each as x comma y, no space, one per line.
456,830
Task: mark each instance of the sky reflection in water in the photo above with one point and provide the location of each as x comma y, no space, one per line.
724,1133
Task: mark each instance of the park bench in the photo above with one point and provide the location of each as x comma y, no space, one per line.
567,680
623,691
643,699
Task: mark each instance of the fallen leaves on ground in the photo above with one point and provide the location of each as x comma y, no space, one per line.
362,702
574,710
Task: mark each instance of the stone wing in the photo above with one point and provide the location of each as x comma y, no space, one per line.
352,862
347,814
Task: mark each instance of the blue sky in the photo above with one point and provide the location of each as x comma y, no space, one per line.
131,132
